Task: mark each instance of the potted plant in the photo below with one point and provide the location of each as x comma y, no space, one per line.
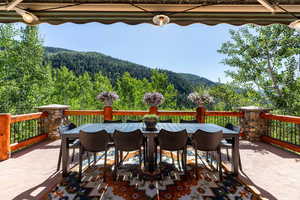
153,98
200,99
150,121
107,98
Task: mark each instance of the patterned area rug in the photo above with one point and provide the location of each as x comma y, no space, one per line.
166,183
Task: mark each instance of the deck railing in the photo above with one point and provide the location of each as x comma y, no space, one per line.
283,130
19,131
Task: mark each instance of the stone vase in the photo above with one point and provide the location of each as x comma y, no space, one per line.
108,102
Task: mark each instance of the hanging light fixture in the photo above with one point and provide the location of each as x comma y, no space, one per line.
27,16
161,20
295,25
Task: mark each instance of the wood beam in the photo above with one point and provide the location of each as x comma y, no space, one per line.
13,4
267,5
151,7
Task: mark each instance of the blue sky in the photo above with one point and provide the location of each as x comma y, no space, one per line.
188,49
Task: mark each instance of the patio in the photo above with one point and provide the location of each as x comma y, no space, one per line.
273,172
30,173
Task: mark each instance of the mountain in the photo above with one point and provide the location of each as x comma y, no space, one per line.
94,62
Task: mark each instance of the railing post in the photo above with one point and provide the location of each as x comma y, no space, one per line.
200,116
107,111
153,110
5,120
252,125
53,120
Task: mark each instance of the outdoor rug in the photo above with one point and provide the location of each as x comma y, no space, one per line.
166,183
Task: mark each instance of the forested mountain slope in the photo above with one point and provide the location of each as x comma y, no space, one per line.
113,68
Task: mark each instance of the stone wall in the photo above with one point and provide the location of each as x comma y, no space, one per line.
252,125
54,119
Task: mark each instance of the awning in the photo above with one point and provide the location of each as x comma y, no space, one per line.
182,12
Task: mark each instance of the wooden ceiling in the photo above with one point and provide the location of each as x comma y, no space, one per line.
182,12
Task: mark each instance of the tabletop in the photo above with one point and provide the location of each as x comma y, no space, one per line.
127,127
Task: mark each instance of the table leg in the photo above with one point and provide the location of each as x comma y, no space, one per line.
151,151
235,155
65,156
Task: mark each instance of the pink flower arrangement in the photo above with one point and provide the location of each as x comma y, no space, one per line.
153,98
107,97
198,99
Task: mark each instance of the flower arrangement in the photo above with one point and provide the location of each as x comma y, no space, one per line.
107,97
200,99
153,98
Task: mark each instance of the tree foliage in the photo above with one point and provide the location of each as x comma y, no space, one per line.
264,59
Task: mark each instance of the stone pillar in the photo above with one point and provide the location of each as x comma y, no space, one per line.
252,125
54,119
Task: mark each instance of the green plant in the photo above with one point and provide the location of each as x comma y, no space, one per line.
151,116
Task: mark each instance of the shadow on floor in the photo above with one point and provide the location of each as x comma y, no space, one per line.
40,191
263,193
264,148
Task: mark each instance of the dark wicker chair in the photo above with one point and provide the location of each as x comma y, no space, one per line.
133,121
112,121
126,142
188,121
71,143
166,121
228,143
173,141
93,142
208,141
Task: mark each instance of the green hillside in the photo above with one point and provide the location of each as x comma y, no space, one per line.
114,68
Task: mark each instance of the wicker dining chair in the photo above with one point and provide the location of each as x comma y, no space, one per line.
113,121
71,143
188,121
126,142
93,142
173,141
228,143
208,141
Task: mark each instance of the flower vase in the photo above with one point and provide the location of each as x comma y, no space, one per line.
108,102
151,124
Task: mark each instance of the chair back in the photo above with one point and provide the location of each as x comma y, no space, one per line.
94,141
188,121
172,141
233,128
166,121
207,141
63,128
112,121
133,121
128,141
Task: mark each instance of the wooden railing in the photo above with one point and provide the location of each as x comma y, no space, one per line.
283,130
95,116
19,131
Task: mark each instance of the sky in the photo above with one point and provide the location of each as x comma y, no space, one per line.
188,49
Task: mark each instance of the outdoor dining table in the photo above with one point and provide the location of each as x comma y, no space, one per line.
150,135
